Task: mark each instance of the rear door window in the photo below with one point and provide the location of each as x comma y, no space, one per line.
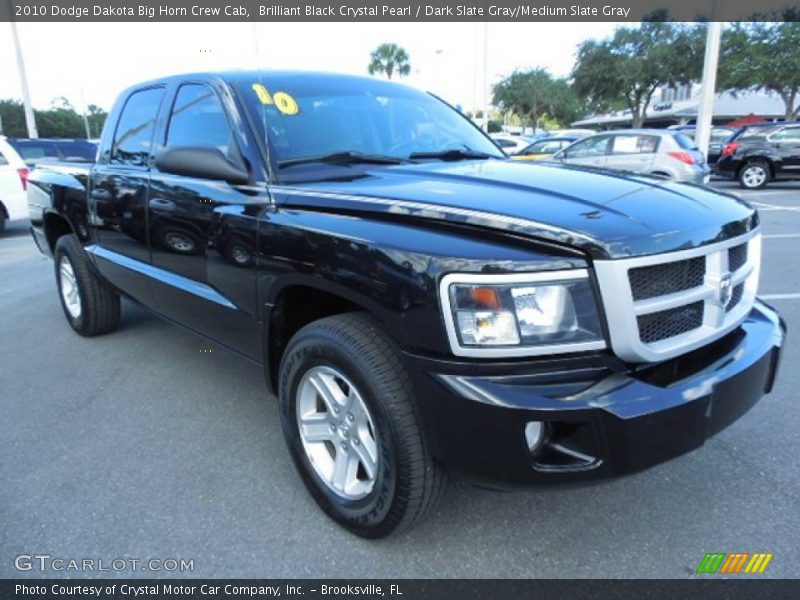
134,134
790,134
751,132
634,144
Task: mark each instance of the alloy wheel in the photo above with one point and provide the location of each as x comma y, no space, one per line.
754,176
337,432
70,292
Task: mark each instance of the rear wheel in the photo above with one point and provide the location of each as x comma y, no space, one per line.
350,421
91,306
754,175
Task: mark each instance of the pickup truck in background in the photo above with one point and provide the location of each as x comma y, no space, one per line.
422,305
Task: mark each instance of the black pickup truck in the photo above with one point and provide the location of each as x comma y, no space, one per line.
421,305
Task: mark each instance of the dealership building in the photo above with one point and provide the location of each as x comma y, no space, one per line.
679,106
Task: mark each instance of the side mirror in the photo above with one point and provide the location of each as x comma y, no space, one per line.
560,155
203,162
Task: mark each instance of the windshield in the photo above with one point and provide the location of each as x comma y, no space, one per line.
309,116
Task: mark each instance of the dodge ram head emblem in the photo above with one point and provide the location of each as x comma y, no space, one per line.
725,291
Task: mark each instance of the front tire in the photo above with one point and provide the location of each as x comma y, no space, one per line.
754,175
91,306
350,421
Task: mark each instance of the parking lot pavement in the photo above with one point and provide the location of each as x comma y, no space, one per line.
141,445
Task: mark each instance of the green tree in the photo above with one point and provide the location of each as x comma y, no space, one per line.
530,95
389,59
627,68
59,121
97,118
12,117
763,56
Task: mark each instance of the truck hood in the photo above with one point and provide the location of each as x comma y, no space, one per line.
606,214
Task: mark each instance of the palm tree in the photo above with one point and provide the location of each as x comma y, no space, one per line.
390,59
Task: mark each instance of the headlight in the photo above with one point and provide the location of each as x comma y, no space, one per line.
521,314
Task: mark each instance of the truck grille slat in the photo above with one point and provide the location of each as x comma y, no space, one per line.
736,297
737,257
667,278
669,323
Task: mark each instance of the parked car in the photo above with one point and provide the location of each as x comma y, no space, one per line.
39,150
719,136
13,183
756,155
658,152
544,147
578,133
422,305
511,144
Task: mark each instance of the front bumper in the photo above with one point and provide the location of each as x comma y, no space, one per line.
602,418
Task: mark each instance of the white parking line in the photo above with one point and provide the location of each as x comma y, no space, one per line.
766,193
767,207
777,236
780,296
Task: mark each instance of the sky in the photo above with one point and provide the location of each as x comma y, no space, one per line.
90,63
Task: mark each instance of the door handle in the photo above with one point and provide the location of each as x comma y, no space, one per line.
100,194
162,204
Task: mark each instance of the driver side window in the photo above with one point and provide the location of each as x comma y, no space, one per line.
198,119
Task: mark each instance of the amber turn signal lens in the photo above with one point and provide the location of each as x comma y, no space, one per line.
485,297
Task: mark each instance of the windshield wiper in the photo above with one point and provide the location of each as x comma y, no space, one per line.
452,154
344,158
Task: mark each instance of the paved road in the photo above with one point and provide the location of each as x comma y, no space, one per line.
139,445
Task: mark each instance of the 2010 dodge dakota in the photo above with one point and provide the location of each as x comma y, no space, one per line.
421,304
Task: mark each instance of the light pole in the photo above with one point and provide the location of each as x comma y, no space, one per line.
705,111
485,76
85,118
30,119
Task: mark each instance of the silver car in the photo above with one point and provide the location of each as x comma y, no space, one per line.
665,153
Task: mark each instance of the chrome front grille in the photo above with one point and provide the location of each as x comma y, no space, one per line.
665,305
